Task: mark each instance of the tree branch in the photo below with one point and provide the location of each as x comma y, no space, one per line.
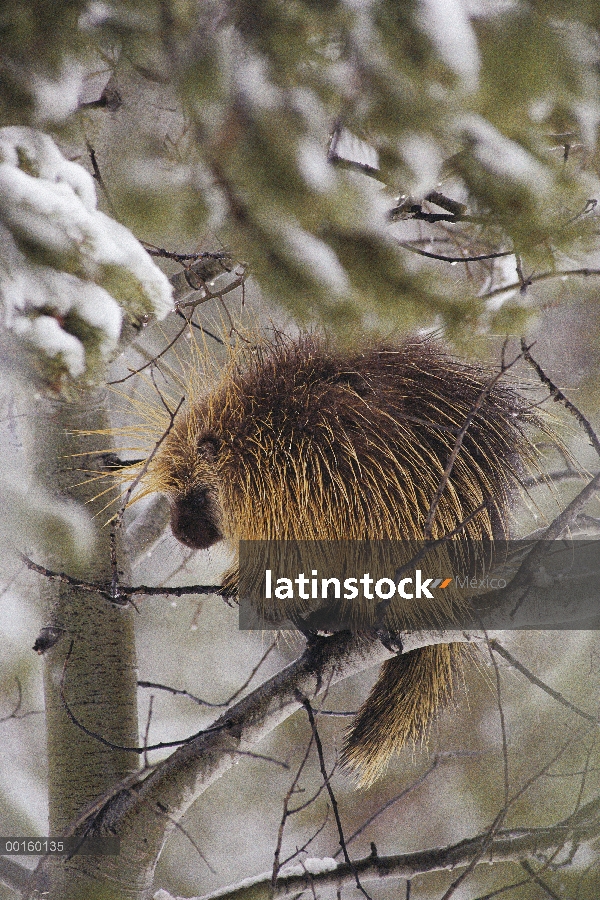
502,651
178,781
513,844
544,276
14,876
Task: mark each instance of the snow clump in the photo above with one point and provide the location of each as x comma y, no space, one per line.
69,274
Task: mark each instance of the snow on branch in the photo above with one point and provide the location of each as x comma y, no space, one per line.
515,844
69,274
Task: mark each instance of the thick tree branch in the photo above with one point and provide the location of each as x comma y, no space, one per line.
174,784
178,781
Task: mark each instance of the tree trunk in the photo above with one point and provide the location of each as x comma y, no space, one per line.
99,679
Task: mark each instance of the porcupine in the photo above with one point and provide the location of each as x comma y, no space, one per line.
302,441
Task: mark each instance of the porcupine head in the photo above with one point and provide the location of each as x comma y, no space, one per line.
301,441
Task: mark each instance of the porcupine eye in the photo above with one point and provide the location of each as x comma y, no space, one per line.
194,519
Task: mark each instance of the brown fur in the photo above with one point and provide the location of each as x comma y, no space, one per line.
301,441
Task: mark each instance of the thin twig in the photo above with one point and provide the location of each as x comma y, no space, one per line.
544,276
177,692
287,813
459,442
560,524
398,797
15,713
406,245
502,721
558,395
208,295
144,469
502,651
201,328
97,175
503,890
308,842
262,756
536,878
147,731
154,359
311,718
510,845
147,747
502,813
258,665
217,256
552,477
17,707
111,744
163,810
585,774
126,591
316,794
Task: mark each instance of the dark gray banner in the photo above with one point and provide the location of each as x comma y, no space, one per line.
411,585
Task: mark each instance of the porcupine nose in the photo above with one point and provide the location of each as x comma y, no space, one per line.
193,520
